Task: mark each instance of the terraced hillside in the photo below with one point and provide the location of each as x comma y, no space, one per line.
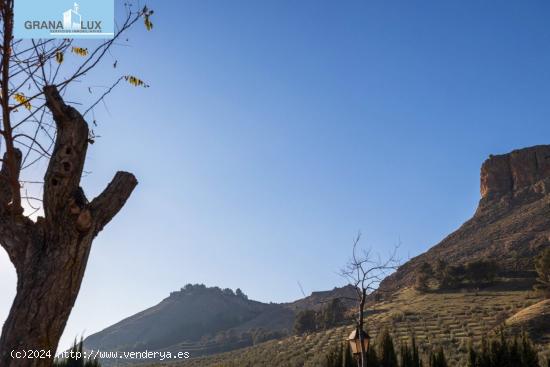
510,227
450,319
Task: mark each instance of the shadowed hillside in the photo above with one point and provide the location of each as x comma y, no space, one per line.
190,315
317,299
204,320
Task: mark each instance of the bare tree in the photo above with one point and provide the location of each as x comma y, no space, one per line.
365,271
49,252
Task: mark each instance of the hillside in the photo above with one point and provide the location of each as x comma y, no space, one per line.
190,315
534,319
511,223
205,321
450,319
317,299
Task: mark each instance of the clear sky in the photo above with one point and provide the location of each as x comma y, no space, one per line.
274,130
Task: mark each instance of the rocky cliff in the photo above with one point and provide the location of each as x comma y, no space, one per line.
511,223
508,175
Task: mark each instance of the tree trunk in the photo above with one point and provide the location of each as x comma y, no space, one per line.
50,255
361,323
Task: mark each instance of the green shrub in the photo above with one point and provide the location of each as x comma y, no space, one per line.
76,358
305,322
410,357
423,276
386,349
331,315
476,273
438,359
503,352
542,266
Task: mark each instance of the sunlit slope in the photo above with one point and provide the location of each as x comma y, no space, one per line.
450,319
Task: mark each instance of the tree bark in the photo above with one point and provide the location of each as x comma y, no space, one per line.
361,323
50,255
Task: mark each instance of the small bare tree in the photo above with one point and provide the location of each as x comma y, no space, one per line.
365,271
50,249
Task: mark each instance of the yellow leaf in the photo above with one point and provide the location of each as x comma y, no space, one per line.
80,51
21,99
135,81
59,57
147,18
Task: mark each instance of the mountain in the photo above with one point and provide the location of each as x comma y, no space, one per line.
451,319
511,224
206,320
316,300
189,315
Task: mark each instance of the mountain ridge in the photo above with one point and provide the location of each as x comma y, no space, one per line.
206,320
511,223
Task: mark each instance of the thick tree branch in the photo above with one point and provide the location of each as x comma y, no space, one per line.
11,158
50,255
15,233
14,228
62,178
7,176
104,207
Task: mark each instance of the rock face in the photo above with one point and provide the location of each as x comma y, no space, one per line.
512,172
511,223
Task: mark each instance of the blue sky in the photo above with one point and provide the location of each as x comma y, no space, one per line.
273,131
